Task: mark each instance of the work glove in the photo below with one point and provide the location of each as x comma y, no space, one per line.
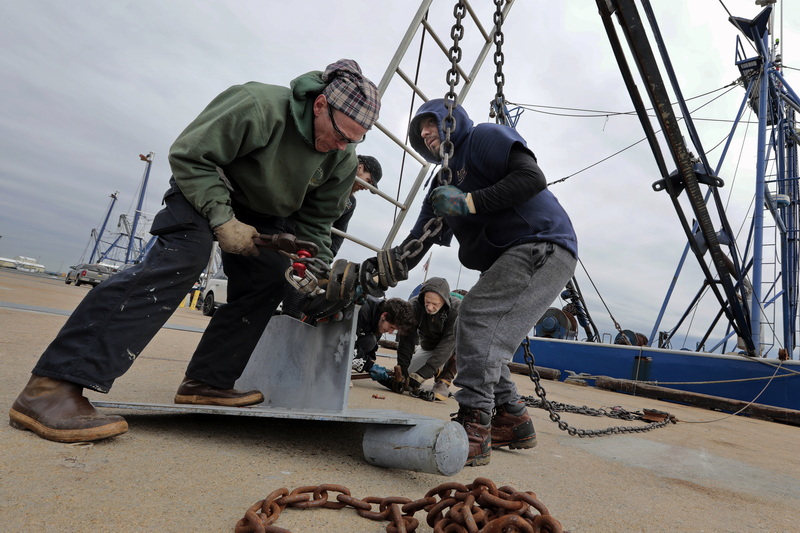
358,364
236,237
449,200
378,373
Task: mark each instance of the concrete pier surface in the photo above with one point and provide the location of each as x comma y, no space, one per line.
711,472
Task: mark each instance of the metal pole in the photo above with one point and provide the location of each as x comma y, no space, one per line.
686,248
435,447
758,208
132,238
103,227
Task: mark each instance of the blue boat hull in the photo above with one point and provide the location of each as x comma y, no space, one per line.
727,376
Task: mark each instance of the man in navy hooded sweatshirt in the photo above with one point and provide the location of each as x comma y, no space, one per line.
514,231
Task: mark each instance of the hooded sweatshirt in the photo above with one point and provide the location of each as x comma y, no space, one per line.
261,138
480,161
436,333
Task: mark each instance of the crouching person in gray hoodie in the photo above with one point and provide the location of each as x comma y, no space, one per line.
436,313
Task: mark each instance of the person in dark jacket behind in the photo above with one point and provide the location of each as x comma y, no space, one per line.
259,159
377,317
515,232
369,170
436,314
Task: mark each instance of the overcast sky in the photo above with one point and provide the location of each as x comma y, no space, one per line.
88,85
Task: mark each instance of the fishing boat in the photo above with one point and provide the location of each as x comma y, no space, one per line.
748,353
749,350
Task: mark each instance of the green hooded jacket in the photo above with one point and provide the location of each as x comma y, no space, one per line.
261,137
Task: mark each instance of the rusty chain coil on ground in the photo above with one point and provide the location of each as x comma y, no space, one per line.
480,507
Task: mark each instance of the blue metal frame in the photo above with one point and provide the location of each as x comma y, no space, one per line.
148,159
102,228
135,248
776,146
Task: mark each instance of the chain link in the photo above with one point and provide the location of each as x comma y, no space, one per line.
450,507
317,266
453,78
553,407
413,247
612,412
499,104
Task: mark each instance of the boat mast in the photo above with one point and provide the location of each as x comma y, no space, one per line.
692,171
148,159
779,193
750,290
114,197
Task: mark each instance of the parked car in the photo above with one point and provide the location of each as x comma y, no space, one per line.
91,274
215,293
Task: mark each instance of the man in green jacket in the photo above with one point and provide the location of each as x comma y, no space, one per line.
259,159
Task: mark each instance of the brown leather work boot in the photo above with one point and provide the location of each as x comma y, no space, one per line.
196,392
513,427
57,410
477,423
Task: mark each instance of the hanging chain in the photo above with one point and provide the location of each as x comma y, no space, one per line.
499,104
656,418
453,78
413,247
451,507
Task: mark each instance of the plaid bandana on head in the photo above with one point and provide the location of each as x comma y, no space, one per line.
351,93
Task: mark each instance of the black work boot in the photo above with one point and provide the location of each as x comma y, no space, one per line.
57,410
196,392
512,426
477,423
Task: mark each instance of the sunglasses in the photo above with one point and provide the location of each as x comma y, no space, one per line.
342,136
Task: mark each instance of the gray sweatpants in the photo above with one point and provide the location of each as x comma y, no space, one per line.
497,314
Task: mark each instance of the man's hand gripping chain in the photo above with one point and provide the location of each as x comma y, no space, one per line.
343,282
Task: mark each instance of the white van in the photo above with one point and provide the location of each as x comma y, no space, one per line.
215,293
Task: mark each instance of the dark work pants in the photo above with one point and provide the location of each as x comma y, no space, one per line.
118,318
256,285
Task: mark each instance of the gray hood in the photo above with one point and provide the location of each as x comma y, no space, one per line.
437,285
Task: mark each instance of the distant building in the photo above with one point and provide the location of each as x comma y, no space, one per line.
27,264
